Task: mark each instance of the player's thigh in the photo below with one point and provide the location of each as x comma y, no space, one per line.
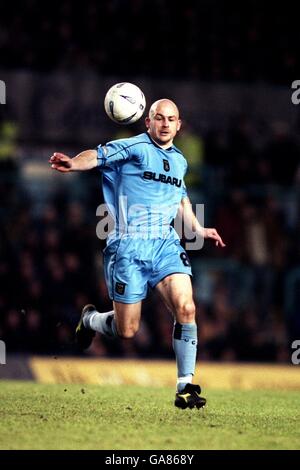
125,277
127,317
177,293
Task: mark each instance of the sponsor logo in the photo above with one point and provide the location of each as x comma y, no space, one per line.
150,175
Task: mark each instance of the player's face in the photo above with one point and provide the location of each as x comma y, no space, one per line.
163,123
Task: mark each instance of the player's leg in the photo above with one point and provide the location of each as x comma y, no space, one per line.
127,287
123,321
176,292
127,318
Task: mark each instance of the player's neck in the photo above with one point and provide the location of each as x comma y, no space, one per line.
162,146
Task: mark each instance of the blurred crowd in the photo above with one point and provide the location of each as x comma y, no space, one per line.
247,295
208,39
246,174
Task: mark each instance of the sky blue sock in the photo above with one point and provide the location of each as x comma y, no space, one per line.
102,322
185,348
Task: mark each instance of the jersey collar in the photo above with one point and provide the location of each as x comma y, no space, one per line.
158,146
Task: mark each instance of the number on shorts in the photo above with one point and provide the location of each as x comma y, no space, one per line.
185,259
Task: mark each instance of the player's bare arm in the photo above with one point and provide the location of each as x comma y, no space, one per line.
186,213
83,161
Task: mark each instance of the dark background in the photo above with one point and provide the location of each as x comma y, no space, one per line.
229,66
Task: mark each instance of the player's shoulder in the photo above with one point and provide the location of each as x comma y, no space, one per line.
131,141
179,154
176,149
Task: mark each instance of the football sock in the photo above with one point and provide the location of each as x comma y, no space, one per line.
102,322
185,348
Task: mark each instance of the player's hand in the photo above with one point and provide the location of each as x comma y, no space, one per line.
212,233
61,162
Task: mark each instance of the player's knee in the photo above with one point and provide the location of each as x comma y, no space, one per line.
186,312
127,332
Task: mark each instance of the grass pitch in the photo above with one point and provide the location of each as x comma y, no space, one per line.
37,416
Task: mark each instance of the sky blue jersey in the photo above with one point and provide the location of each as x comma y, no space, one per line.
143,185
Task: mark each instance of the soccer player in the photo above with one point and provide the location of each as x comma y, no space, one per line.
143,184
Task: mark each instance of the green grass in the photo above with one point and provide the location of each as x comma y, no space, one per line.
35,416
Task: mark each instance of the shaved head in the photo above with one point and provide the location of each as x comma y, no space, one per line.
163,122
165,104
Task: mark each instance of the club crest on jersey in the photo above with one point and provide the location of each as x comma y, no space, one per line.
166,165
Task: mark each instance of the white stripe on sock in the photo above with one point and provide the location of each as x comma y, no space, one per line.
188,379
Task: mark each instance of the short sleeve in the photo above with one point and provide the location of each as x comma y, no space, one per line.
184,190
113,153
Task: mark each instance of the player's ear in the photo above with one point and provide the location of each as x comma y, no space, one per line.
179,125
147,122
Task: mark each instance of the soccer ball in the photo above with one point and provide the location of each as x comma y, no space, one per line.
124,103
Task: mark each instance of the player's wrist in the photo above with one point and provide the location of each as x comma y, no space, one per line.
203,232
74,164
